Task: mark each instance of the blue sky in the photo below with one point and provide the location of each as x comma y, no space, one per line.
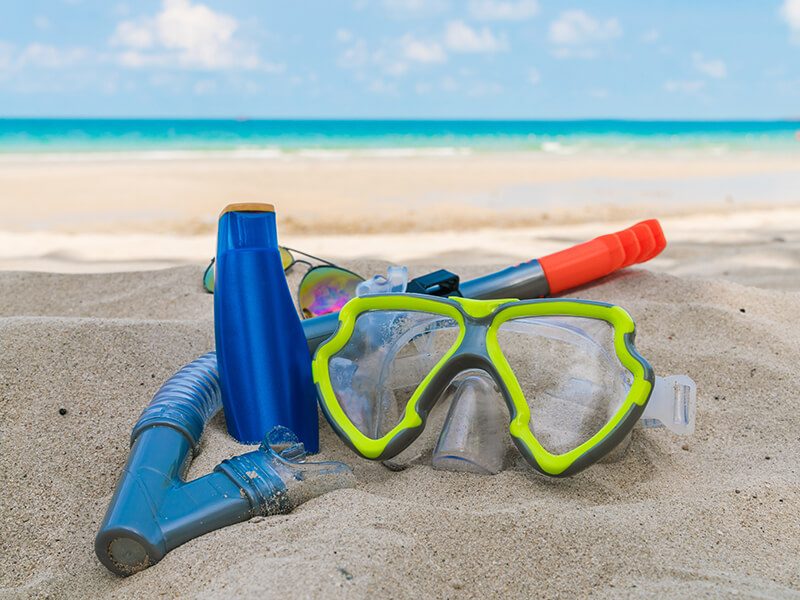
401,58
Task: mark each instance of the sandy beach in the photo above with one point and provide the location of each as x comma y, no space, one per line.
91,321
82,213
341,194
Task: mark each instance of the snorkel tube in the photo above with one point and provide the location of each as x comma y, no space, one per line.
154,510
551,274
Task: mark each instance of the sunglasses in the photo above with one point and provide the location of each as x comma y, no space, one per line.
325,288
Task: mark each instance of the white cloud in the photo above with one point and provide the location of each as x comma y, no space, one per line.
395,68
790,11
355,56
713,67
578,27
422,51
344,35
534,77
684,87
503,10
136,60
415,8
186,35
40,56
43,69
394,58
50,57
460,37
377,64
134,35
575,32
651,36
389,59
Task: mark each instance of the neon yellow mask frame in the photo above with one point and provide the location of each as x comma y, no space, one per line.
462,355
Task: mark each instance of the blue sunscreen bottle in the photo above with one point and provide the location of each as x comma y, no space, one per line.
262,354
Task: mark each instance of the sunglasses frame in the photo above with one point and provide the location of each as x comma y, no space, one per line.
291,252
477,347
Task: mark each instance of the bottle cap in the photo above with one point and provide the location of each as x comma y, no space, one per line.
248,207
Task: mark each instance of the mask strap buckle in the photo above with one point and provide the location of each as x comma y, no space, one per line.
672,405
439,283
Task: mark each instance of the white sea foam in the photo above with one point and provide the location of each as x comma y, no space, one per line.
675,147
247,153
558,148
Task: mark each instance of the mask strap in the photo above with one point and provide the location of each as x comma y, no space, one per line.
672,404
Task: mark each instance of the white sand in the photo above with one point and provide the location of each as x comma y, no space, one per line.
711,516
736,245
715,515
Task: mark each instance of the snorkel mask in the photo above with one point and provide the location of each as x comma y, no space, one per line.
567,372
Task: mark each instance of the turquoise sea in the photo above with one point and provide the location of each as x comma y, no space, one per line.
173,137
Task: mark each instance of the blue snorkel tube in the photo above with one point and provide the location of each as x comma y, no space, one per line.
154,509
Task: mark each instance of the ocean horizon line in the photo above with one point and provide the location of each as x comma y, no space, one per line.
246,118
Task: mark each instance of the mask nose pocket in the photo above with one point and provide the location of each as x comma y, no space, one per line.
474,436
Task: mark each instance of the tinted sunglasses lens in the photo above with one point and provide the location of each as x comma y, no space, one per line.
208,278
286,258
325,290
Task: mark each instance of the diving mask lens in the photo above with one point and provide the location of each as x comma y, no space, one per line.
326,289
569,373
375,374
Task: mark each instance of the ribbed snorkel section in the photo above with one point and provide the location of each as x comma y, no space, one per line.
186,401
153,510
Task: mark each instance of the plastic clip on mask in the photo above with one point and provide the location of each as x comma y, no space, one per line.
566,370
394,282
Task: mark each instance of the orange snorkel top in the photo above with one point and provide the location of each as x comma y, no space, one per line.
603,255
